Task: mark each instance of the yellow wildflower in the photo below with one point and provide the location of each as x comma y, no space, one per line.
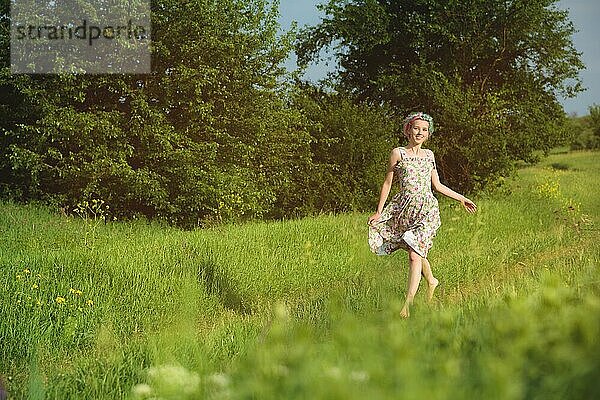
39,303
26,271
35,286
19,277
60,300
90,303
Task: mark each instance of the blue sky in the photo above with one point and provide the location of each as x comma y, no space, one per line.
585,15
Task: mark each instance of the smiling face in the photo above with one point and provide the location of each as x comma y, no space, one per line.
417,132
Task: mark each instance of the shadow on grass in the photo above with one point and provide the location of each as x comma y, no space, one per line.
219,284
559,166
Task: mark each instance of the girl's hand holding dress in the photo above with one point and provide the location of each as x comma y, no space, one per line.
374,217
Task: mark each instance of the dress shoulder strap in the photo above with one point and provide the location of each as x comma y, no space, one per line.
402,152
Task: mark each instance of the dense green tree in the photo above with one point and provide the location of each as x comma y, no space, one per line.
206,135
488,71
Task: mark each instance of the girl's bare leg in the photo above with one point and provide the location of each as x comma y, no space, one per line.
431,280
414,278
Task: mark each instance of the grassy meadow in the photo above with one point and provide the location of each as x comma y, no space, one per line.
302,309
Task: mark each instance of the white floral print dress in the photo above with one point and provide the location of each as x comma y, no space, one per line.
412,216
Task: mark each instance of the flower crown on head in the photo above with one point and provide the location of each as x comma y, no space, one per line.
415,116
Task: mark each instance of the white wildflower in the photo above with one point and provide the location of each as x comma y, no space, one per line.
219,379
359,376
142,391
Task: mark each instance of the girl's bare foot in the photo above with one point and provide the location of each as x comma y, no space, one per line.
431,289
405,312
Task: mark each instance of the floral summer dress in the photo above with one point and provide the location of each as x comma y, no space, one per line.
412,217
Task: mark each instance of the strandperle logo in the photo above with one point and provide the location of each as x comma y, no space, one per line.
90,33
80,36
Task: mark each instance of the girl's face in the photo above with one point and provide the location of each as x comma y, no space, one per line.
418,132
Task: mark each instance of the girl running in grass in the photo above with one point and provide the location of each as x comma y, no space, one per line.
412,217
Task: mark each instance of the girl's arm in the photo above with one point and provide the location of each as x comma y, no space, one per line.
446,191
387,184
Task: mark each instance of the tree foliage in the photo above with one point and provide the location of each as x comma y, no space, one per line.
585,131
488,71
206,135
349,146
595,119
219,131
216,132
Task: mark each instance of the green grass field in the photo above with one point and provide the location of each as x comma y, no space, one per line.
302,310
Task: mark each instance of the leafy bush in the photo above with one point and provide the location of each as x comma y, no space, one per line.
585,130
349,147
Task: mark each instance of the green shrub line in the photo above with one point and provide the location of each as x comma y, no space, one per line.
220,130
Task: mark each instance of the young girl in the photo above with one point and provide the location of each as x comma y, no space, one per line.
412,217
